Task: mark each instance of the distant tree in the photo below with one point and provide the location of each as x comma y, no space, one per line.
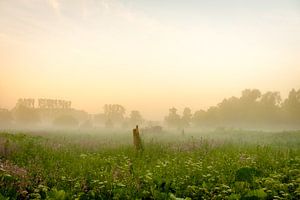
252,109
186,117
173,119
114,112
271,99
212,116
250,96
26,115
291,106
199,118
135,118
65,121
269,107
230,111
249,106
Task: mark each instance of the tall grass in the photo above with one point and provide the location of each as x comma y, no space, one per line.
214,165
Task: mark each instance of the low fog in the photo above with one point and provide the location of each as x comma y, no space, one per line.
252,110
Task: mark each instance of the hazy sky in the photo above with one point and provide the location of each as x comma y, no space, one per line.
147,55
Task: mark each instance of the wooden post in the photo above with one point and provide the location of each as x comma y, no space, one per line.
137,142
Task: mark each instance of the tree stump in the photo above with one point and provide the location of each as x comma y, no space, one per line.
137,142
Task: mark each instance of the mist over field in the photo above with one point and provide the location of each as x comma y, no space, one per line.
252,110
123,99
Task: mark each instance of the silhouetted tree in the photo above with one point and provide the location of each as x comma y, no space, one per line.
135,118
249,105
114,112
173,119
269,108
186,117
252,109
230,111
199,118
291,106
212,116
250,96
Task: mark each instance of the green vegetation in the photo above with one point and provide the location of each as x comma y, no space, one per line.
223,164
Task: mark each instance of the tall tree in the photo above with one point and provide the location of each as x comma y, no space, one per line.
249,105
250,96
186,117
269,109
114,112
291,106
135,118
199,118
173,119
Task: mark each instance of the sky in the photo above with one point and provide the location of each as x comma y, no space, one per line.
147,55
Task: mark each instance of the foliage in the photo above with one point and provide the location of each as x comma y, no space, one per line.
246,174
114,112
254,110
173,119
235,165
186,117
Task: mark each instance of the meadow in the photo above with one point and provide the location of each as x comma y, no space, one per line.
219,164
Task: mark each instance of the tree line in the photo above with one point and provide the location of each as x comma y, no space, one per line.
59,112
251,109
115,114
45,103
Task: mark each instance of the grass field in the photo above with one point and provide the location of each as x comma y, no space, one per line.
223,164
